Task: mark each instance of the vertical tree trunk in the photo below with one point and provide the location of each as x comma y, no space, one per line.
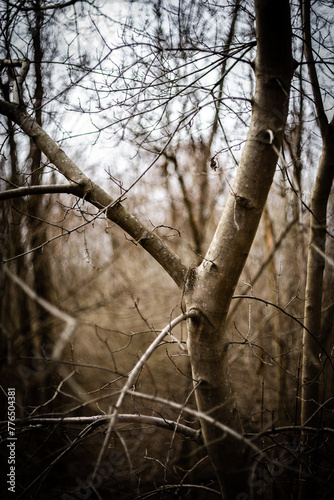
312,352
313,360
278,340
38,208
210,286
14,305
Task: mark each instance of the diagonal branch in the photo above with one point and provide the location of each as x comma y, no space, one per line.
44,7
282,310
204,416
70,322
94,194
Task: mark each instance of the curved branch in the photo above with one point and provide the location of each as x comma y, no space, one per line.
94,194
293,428
131,380
177,487
264,263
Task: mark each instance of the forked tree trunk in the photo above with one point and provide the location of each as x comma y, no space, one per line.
211,285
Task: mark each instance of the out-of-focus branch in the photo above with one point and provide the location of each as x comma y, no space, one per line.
282,310
220,83
70,322
264,264
312,363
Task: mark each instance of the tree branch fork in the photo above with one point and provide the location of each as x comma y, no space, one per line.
82,186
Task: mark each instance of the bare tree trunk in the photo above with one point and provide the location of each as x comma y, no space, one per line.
278,340
14,305
313,362
211,285
41,266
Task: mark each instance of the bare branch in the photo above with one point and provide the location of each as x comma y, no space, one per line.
265,262
132,376
97,196
171,487
71,322
47,7
281,309
123,418
42,189
202,416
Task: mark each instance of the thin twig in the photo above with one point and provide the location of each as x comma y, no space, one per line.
131,379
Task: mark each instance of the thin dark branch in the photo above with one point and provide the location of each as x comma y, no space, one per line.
268,303
171,487
266,261
287,428
47,7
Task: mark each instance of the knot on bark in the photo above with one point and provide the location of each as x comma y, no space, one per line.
199,319
266,136
244,202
